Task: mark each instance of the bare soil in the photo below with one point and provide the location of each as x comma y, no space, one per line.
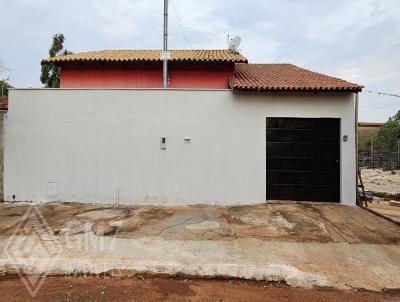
384,208
378,180
74,289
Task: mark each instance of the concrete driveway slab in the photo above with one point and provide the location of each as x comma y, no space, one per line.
300,244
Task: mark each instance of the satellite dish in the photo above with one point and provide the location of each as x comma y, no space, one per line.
234,43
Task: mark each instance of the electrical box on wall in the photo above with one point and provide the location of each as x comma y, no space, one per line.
163,143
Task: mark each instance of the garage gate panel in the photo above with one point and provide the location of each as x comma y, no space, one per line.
303,159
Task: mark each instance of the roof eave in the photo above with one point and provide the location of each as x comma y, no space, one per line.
297,89
58,62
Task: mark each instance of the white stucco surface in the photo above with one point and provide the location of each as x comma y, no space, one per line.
88,145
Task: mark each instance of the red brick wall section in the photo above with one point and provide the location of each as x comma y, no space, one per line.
3,103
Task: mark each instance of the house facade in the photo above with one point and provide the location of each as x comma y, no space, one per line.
252,133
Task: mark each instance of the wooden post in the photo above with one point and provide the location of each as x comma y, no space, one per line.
372,151
398,152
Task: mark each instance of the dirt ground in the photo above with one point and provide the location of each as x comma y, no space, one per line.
74,289
378,180
386,209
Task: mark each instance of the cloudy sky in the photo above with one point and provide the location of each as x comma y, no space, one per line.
357,40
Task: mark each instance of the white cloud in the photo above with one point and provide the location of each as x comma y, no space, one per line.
357,40
122,19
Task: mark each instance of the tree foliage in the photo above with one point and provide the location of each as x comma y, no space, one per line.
4,84
50,73
389,133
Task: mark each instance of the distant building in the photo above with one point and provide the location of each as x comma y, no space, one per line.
3,111
369,125
367,132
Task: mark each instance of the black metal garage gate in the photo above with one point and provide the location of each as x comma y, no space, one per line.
303,159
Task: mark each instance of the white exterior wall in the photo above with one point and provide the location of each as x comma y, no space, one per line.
88,143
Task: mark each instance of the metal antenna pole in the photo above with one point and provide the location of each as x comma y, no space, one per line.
165,47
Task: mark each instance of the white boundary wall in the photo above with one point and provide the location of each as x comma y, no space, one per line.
84,145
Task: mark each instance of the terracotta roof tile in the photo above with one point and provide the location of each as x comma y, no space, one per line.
150,55
368,124
281,77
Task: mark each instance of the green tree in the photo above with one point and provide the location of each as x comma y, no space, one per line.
50,73
389,133
4,84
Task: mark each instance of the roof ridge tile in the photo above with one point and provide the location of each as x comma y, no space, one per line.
215,55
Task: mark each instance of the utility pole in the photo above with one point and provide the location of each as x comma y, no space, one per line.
165,54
